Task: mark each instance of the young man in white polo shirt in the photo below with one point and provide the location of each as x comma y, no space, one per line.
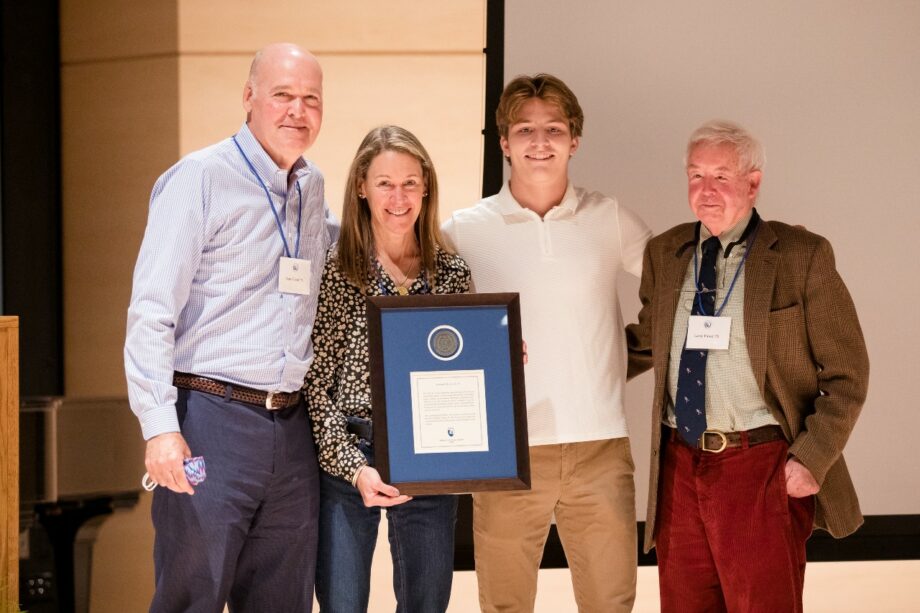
562,248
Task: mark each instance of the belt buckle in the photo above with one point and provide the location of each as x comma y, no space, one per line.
718,433
268,399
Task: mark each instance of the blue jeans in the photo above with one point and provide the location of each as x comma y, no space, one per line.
421,534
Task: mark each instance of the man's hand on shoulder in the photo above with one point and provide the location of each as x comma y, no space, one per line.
799,480
163,459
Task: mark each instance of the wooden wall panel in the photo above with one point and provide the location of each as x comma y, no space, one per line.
119,132
93,30
439,98
211,98
217,26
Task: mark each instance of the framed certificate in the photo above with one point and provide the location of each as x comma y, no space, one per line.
447,388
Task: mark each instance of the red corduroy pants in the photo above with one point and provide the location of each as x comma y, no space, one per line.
728,536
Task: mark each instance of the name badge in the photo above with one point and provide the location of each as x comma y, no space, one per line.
294,276
708,332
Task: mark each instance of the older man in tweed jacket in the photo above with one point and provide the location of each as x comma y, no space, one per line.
760,373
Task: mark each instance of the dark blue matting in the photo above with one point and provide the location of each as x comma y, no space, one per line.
485,346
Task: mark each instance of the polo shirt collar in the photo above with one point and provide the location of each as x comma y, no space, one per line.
509,207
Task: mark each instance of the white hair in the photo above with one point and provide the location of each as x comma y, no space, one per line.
717,132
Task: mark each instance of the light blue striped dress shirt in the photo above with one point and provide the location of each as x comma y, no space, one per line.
205,298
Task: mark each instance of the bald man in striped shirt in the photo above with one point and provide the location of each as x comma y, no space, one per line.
218,343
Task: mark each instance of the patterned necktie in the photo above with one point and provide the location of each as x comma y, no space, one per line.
690,404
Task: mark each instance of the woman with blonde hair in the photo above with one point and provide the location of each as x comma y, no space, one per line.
390,244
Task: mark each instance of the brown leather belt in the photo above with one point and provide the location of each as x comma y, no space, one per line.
715,441
270,400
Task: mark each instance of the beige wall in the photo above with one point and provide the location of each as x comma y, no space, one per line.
146,82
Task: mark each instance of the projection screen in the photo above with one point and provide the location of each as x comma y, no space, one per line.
832,88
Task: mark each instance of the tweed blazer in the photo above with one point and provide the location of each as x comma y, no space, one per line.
805,345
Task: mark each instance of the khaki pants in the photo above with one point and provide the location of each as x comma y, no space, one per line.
589,487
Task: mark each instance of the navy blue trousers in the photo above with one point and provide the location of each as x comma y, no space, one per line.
248,536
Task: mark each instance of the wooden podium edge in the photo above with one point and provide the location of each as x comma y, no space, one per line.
9,463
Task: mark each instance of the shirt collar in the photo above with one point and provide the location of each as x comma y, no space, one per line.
270,174
508,206
737,234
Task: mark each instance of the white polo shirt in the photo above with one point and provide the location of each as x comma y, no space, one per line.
565,267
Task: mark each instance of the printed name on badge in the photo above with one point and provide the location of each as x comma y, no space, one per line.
708,332
294,276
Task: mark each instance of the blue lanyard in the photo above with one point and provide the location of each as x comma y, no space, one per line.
271,203
731,288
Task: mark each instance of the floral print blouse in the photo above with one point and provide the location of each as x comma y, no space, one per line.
338,383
